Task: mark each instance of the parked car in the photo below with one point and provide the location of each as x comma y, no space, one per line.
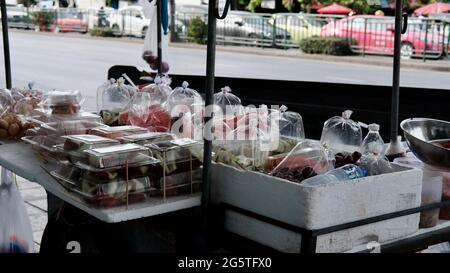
18,17
299,26
256,28
130,21
69,20
185,13
375,34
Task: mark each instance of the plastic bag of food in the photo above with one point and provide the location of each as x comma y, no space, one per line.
115,98
151,42
376,164
341,134
229,103
182,100
16,235
12,126
290,124
6,101
373,143
149,114
159,90
307,159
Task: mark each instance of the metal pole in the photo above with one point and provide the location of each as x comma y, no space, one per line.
209,93
158,27
6,44
396,72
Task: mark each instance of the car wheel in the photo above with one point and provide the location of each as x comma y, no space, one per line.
144,31
406,51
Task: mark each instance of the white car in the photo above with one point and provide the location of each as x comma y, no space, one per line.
129,21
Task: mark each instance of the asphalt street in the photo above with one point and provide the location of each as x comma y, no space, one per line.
71,62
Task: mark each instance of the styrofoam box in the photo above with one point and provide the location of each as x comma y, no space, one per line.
318,207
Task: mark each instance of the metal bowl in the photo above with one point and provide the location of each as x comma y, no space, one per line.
419,132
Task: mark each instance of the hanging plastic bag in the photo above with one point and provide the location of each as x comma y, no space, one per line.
341,134
115,98
159,90
307,159
150,52
16,235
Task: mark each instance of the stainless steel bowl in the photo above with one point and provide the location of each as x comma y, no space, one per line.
419,132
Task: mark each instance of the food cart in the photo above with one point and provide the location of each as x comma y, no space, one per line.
233,211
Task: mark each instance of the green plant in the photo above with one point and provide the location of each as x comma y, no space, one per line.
197,30
328,45
102,32
43,18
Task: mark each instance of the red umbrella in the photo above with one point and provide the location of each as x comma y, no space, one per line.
433,8
335,9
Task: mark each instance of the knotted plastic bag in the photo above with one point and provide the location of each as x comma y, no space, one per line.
16,235
182,100
341,134
147,113
114,99
291,124
159,90
229,103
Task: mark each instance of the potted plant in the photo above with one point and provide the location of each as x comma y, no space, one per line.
44,19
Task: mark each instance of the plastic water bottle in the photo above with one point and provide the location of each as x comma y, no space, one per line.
346,172
373,143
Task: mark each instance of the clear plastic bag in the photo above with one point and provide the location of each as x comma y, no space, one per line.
159,91
182,100
115,98
6,101
376,164
373,143
229,103
307,159
150,42
291,124
16,235
148,114
341,134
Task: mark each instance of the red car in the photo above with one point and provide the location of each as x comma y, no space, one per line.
71,21
375,34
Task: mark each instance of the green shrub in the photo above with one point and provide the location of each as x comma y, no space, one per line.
44,19
102,32
197,30
328,45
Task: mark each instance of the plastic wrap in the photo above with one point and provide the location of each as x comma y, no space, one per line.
115,98
307,159
341,134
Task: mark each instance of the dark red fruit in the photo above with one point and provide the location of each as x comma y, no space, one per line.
356,156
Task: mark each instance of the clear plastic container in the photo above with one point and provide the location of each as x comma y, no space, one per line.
72,127
147,138
75,146
118,131
182,99
63,102
41,118
307,159
373,143
431,188
115,98
46,147
177,183
341,134
117,155
111,194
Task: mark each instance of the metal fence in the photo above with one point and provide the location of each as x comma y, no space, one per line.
425,37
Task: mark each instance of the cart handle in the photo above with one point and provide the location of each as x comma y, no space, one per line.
225,10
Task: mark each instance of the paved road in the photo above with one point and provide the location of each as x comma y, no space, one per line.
72,62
